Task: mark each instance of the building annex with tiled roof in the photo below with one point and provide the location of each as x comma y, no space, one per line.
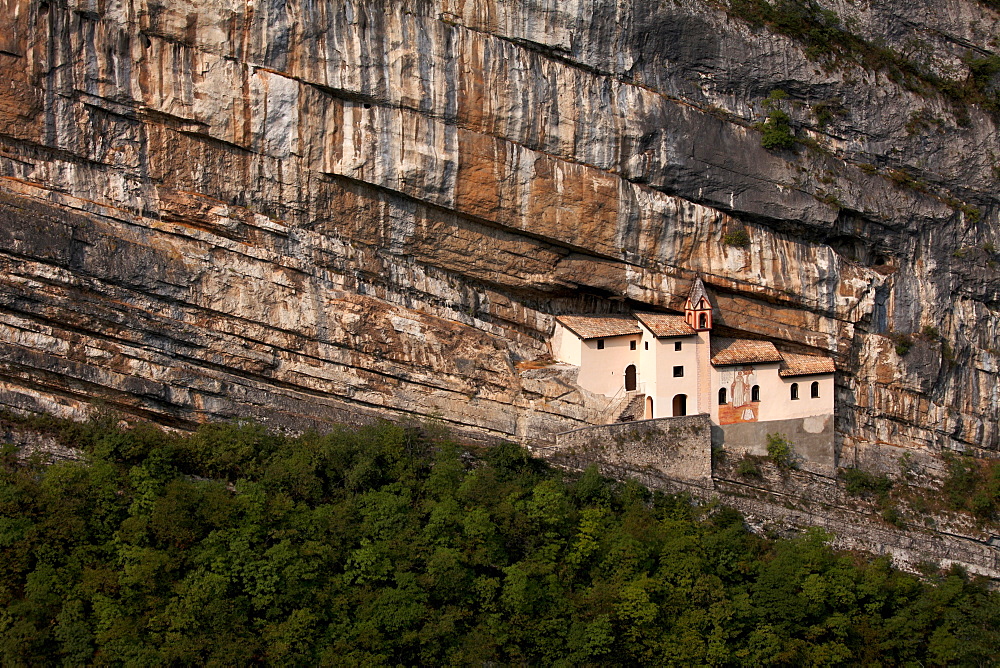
804,365
663,325
726,352
599,326
679,368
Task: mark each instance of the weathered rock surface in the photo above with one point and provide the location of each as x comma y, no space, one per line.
317,211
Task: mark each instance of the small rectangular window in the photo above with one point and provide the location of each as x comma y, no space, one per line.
677,345
631,345
600,344
678,372
646,344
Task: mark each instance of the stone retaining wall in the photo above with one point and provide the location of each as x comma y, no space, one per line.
812,440
679,448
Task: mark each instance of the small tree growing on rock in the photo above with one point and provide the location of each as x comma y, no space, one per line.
777,131
777,127
780,452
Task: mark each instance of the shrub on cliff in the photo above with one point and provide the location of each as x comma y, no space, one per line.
737,237
972,485
776,131
863,483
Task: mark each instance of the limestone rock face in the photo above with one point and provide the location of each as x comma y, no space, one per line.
332,210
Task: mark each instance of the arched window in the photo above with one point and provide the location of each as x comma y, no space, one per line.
702,321
630,378
755,393
795,390
680,405
814,390
722,397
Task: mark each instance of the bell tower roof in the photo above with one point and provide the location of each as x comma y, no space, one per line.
698,309
697,294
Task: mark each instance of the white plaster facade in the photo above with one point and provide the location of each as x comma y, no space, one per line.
603,371
659,368
680,370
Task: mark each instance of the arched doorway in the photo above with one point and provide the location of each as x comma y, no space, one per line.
630,378
680,405
649,408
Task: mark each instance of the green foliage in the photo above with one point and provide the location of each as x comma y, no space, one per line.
392,546
903,343
972,214
825,112
830,199
902,178
737,237
907,466
776,131
972,485
982,70
863,483
775,96
891,515
922,121
780,451
748,467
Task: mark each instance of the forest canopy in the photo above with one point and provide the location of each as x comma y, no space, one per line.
388,545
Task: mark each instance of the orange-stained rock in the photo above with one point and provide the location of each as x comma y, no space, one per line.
335,210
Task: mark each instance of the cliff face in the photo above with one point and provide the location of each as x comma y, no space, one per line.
314,211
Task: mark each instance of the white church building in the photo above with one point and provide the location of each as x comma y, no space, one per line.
675,364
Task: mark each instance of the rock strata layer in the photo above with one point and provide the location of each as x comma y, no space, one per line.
327,211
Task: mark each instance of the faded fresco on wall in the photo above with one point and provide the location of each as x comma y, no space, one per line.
742,401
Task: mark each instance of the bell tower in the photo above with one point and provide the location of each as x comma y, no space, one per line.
697,309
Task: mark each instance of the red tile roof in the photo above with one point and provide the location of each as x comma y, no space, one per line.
804,365
743,351
599,326
663,325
